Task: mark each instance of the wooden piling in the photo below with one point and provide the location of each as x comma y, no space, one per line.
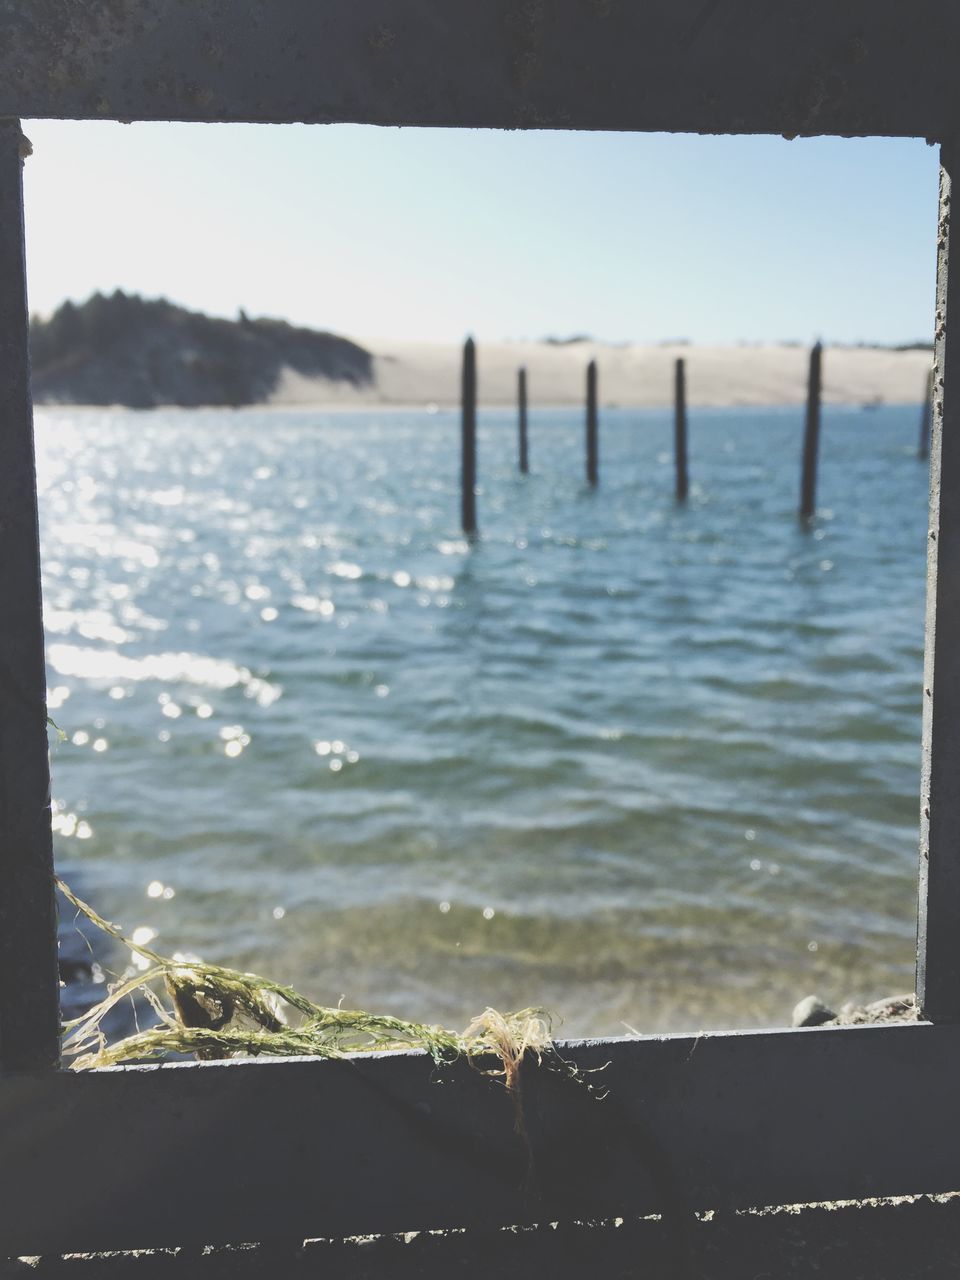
680,430
923,449
522,419
811,435
593,470
468,466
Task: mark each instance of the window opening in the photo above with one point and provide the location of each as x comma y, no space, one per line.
645,765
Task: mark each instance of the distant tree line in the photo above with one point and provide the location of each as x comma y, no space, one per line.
124,349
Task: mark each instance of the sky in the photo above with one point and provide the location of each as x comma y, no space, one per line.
430,234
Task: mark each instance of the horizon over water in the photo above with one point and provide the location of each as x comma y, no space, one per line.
649,767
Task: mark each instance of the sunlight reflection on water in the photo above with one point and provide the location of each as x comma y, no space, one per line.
636,763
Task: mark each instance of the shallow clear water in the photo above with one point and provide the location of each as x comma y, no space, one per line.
642,765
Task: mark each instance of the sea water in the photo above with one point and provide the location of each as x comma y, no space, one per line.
652,767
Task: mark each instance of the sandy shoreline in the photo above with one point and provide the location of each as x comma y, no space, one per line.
416,374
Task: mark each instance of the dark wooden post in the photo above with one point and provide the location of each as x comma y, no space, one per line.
522,418
811,435
923,449
29,987
468,465
680,430
593,468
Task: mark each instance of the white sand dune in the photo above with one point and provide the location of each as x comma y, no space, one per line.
408,373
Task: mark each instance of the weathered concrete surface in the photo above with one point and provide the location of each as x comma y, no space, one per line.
281,1149
29,1016
913,1239
708,66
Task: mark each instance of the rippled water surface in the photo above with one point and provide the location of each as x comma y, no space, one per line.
642,765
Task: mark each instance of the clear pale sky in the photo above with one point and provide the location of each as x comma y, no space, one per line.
430,234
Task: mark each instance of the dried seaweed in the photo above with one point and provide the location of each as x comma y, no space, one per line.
209,1012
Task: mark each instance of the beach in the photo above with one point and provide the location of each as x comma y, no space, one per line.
631,375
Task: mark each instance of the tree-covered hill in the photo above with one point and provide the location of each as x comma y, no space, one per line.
124,349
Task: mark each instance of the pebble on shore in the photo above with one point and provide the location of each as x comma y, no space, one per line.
812,1012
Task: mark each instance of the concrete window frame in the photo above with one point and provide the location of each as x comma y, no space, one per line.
375,1144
